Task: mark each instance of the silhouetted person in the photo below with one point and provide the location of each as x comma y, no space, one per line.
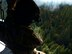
19,38
24,12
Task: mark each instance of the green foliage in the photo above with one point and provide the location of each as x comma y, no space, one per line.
55,29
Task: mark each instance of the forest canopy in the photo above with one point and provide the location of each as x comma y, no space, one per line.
55,28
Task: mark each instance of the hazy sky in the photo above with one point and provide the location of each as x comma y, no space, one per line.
56,2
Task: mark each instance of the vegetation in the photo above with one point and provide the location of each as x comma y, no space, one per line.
55,28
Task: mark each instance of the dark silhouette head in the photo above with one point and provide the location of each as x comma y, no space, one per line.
24,12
